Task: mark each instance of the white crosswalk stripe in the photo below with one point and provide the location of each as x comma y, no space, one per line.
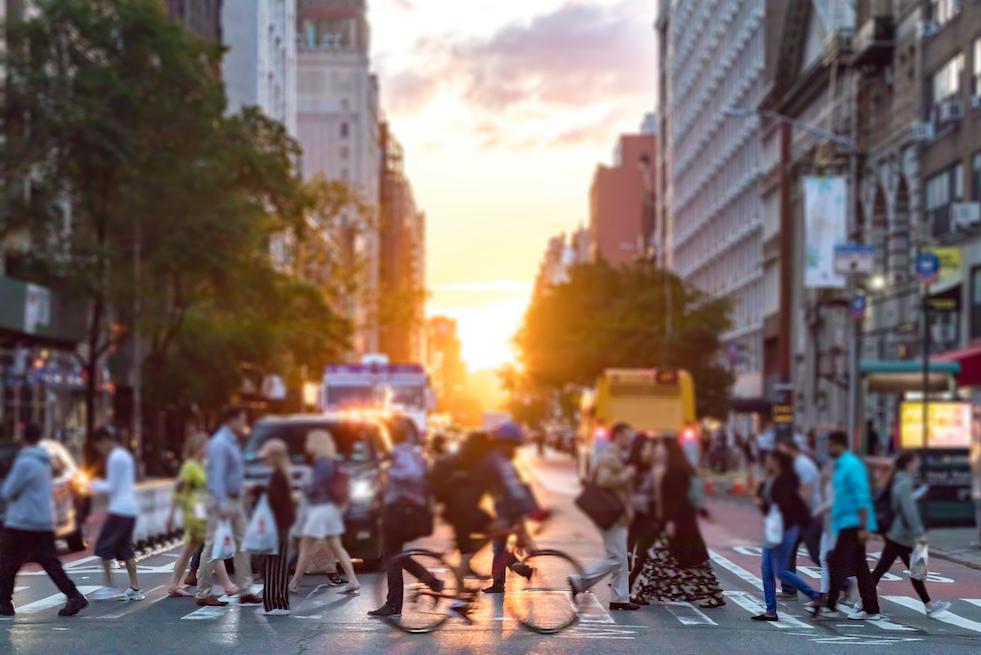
972,601
688,614
54,600
945,617
751,604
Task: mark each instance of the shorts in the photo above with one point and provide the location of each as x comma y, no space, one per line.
116,538
320,521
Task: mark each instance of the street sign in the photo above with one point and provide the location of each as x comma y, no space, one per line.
927,267
854,259
858,307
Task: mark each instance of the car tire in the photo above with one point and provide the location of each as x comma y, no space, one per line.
75,541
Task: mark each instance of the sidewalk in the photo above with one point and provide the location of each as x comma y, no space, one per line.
959,545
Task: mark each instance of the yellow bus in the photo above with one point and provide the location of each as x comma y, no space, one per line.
655,401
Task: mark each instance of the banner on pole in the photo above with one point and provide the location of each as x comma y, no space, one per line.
825,216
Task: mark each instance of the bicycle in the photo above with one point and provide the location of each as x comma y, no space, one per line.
435,590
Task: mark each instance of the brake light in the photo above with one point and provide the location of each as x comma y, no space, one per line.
688,434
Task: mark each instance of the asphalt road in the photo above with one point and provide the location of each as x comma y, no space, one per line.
324,621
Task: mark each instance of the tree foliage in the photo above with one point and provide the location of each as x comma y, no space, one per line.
606,317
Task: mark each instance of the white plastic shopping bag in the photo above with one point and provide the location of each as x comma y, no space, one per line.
224,547
919,562
261,537
773,527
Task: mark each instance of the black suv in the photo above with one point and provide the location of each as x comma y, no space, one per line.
363,447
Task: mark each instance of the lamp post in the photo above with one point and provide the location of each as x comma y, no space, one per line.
850,146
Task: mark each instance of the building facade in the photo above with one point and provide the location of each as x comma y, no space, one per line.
712,56
259,68
338,129
620,200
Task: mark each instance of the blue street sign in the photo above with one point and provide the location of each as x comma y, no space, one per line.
858,306
927,267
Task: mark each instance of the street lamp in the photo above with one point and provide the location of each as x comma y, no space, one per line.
850,146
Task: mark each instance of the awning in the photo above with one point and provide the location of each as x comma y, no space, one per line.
899,376
969,359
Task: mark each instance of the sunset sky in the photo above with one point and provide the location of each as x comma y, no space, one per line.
504,108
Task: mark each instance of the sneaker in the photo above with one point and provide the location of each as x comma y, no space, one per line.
385,611
336,580
765,617
857,607
134,594
74,605
626,607
862,615
935,607
276,612
814,607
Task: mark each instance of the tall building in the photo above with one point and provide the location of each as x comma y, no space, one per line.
563,252
620,200
259,68
200,16
402,275
712,57
338,129
444,361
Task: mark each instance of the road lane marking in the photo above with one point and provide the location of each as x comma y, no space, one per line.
972,601
945,617
735,569
749,603
154,595
688,614
79,562
208,613
54,600
16,589
591,610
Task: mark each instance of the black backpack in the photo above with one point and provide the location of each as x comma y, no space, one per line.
885,514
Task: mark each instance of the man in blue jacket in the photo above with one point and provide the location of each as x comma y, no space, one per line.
29,525
852,520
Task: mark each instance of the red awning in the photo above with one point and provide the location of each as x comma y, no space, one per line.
970,360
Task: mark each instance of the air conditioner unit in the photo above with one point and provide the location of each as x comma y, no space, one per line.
921,131
965,215
976,102
926,29
950,111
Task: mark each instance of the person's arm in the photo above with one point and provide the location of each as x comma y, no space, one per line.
612,474
16,480
862,495
218,456
115,472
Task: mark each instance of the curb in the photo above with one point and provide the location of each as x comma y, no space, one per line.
957,559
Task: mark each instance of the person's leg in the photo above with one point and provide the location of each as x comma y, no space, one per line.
180,565
393,574
889,555
840,564
781,563
600,568
643,547
336,547
134,580
827,544
192,575
46,556
790,552
13,553
280,576
866,588
107,571
919,586
812,539
302,560
243,563
206,566
769,583
221,572
619,581
499,566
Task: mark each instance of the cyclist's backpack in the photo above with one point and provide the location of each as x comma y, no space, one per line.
442,478
885,514
339,488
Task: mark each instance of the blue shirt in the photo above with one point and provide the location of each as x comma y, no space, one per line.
225,466
318,489
851,494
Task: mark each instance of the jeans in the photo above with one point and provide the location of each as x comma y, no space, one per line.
614,563
775,564
503,560
20,546
848,558
810,536
243,567
889,555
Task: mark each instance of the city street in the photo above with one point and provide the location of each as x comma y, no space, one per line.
323,621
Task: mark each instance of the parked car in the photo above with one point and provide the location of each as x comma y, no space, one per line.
67,491
363,446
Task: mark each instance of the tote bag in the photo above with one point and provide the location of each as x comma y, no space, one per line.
773,527
261,536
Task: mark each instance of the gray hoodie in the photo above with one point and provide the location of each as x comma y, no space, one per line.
907,526
27,491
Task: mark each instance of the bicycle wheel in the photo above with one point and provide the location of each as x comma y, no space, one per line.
429,587
542,602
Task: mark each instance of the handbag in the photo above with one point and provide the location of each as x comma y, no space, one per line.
602,506
261,536
773,527
224,546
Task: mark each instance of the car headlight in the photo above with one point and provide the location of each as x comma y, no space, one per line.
362,491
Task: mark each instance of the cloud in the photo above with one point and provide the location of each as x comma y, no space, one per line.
583,52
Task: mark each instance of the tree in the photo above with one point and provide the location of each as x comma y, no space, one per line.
607,317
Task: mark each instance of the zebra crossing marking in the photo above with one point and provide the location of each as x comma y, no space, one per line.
945,616
54,600
749,603
688,614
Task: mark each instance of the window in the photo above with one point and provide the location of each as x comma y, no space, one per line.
976,176
943,11
941,190
946,82
976,75
345,130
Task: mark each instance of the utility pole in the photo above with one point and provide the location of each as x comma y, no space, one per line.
136,370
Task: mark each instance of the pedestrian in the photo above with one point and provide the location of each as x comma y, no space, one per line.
852,519
28,525
323,519
276,575
225,467
406,516
115,541
781,490
189,498
872,437
809,477
906,529
678,567
613,474
644,528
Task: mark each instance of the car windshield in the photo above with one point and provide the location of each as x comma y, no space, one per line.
356,441
409,396
352,396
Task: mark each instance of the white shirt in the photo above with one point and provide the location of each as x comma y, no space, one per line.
766,441
119,483
809,475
